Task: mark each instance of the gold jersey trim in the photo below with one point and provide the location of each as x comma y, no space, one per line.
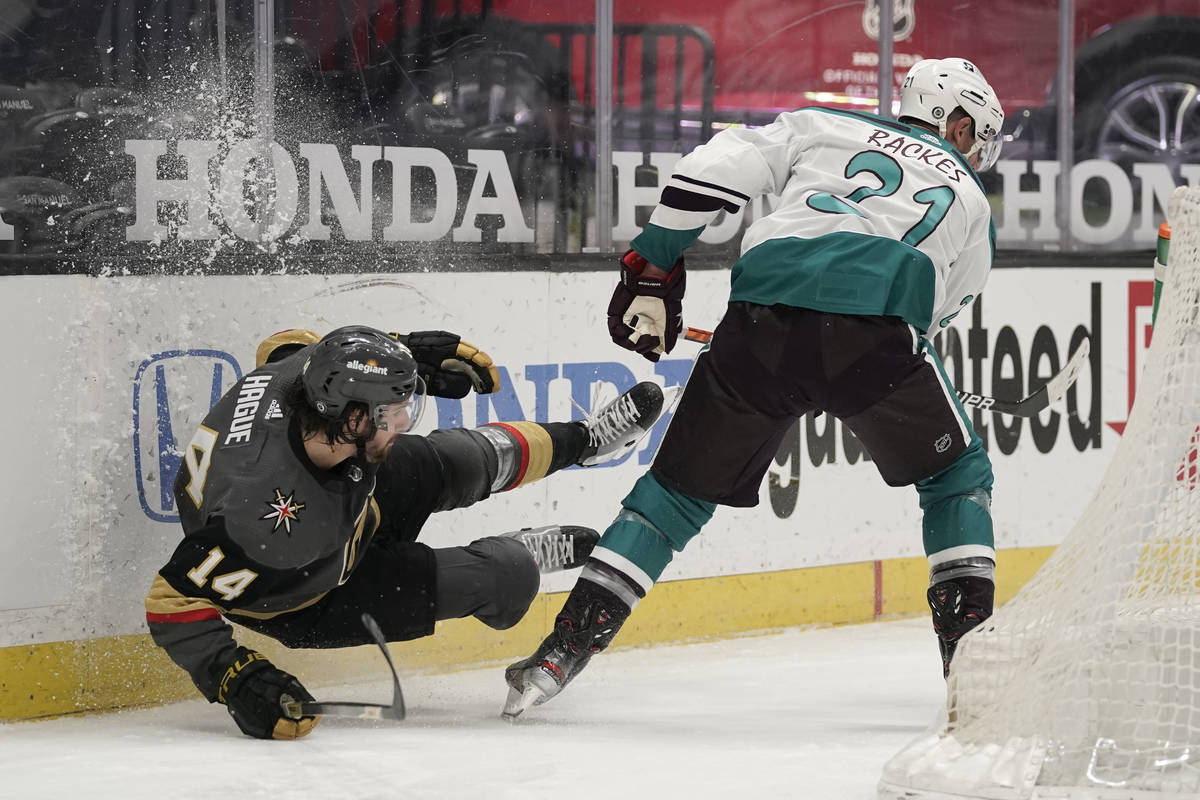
164,599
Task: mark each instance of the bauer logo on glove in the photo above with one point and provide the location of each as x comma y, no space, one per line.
645,314
254,691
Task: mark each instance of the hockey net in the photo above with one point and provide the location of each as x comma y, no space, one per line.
1087,683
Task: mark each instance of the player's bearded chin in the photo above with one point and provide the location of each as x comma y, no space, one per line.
378,446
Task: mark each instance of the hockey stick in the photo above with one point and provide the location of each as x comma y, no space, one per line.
1029,406
296,709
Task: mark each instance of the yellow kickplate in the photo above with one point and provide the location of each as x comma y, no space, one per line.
56,678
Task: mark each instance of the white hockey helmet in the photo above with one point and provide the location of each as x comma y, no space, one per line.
934,87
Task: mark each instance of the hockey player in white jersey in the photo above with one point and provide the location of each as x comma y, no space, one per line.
883,234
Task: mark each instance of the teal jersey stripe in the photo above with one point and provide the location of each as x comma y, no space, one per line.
842,273
663,246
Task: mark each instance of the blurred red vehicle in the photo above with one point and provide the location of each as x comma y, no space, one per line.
743,61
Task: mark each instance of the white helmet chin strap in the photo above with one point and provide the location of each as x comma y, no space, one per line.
987,152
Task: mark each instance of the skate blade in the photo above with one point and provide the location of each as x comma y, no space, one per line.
518,702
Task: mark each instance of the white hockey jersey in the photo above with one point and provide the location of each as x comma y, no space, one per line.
875,217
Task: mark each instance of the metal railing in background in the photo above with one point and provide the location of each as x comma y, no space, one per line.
638,123
604,148
412,77
79,84
1066,117
264,110
887,32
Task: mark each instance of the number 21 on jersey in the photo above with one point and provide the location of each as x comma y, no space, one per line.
890,175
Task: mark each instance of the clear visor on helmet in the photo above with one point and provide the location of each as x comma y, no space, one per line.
402,416
985,153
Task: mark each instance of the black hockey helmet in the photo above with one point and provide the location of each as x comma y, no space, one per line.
362,364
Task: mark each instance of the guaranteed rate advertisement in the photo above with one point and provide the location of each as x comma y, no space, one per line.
139,360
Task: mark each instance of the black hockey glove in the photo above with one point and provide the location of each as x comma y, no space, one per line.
645,314
254,689
449,366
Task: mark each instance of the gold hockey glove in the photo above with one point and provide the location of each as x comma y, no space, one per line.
254,691
449,366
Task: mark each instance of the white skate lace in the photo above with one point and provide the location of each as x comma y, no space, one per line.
550,550
613,421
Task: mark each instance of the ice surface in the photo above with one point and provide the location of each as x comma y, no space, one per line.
798,714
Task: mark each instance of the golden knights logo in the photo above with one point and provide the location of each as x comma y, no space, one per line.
284,510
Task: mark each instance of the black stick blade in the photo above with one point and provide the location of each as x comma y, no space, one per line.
296,709
398,711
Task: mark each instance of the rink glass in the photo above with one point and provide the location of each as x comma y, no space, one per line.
412,135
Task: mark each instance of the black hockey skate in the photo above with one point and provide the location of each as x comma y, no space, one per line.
557,547
617,428
958,605
587,623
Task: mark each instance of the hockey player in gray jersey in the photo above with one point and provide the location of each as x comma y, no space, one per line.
301,500
881,237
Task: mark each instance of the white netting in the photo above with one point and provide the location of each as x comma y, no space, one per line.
1087,684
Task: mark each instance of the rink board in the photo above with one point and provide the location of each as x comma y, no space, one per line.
115,372
52,679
